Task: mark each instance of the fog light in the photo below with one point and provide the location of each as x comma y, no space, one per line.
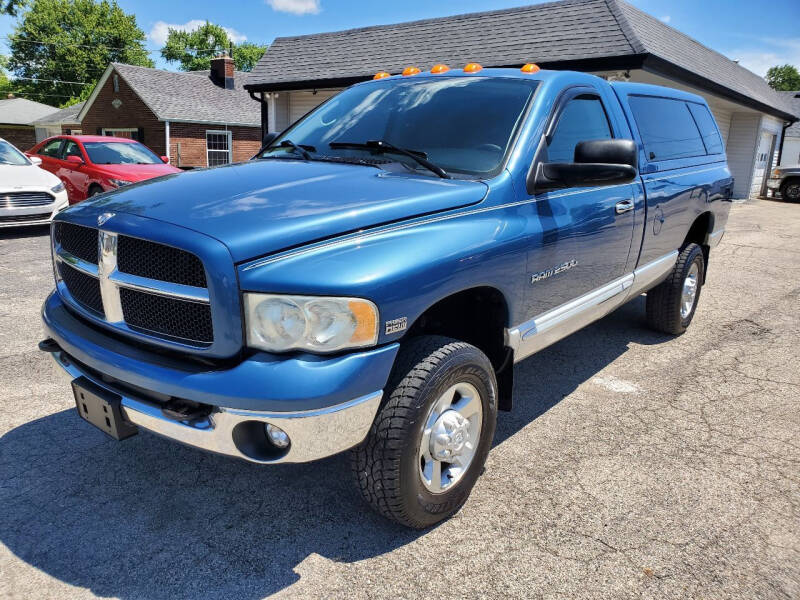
277,436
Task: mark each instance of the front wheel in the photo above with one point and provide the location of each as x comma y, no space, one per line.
430,438
790,191
672,303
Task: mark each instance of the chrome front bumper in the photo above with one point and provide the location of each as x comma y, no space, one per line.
314,434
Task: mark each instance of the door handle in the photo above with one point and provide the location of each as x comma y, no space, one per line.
623,206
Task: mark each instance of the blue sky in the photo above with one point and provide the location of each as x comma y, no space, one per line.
759,36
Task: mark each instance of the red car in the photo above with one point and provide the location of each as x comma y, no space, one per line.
90,164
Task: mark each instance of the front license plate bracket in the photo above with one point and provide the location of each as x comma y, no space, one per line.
102,409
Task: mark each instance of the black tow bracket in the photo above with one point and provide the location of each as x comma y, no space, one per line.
49,345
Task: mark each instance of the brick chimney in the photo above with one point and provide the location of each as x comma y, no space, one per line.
222,71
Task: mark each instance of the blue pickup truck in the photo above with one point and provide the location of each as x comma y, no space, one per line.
369,279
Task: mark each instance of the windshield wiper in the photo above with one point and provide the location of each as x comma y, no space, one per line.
301,149
384,147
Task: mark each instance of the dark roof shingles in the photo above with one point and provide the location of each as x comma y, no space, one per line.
551,32
192,97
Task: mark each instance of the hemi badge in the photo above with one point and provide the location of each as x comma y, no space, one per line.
396,325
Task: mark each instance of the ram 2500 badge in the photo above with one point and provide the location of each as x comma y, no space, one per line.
368,281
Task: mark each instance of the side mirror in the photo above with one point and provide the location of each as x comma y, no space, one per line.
74,160
165,160
35,160
597,162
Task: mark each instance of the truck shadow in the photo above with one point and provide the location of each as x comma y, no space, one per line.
149,518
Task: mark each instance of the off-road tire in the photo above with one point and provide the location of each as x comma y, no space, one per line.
664,300
386,463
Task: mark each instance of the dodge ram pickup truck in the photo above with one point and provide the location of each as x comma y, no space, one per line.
367,282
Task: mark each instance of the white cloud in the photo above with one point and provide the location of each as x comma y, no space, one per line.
771,52
296,7
158,34
665,18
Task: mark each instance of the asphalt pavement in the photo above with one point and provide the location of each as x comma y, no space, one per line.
634,465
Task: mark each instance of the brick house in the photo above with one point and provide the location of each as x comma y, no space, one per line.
197,119
17,117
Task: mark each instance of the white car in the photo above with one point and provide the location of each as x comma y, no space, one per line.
28,195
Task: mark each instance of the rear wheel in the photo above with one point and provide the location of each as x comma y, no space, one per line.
672,303
429,441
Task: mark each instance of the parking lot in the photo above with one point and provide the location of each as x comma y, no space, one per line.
633,465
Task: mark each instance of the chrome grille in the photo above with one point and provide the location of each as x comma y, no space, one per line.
135,285
24,218
25,199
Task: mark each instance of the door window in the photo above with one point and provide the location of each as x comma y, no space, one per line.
51,149
667,128
72,149
582,119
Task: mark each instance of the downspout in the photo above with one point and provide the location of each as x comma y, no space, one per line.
264,111
166,135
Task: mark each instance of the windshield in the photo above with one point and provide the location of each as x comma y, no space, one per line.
11,156
120,153
461,124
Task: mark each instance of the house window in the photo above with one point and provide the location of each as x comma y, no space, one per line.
218,147
116,82
131,133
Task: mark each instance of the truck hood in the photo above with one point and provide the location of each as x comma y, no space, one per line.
261,207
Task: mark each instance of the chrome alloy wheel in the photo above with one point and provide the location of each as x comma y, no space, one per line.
689,293
450,437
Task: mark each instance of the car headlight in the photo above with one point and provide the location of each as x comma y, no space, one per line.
279,323
119,182
58,187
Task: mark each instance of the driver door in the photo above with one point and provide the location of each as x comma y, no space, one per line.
73,175
585,232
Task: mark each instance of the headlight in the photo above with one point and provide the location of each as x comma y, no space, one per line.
58,188
314,323
119,182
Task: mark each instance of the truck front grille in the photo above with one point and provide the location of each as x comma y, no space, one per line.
25,199
78,240
186,321
135,285
157,261
84,288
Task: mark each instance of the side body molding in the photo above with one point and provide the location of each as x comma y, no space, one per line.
556,324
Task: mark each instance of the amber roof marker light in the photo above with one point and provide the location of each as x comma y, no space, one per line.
381,75
472,67
530,68
411,71
439,68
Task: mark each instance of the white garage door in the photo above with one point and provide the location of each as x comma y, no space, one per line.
302,102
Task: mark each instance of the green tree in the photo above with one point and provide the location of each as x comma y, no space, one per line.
193,50
11,7
5,84
785,78
60,48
